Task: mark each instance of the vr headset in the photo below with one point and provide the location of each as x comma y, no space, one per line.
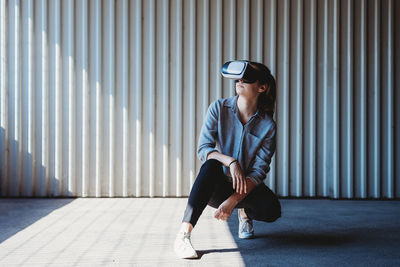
241,70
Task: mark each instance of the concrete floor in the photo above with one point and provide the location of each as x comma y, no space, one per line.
140,232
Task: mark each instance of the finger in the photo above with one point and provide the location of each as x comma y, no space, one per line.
216,214
234,182
226,217
242,186
245,186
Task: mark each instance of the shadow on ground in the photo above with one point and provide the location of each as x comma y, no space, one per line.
18,214
325,233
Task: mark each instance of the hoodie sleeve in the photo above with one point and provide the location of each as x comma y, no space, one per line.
209,133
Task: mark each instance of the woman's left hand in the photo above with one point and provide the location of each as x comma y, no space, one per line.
225,210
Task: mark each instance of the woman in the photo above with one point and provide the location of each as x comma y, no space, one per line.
236,144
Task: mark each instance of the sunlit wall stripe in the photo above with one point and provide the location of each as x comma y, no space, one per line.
42,91
192,88
152,93
125,103
96,65
179,99
137,83
206,54
166,99
107,98
82,91
109,76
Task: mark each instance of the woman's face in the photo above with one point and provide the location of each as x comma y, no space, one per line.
249,90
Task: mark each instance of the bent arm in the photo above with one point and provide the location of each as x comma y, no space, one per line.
224,159
237,197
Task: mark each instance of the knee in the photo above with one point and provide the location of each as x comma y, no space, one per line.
273,216
273,213
211,165
210,170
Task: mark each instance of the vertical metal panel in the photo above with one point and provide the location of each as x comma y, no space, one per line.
335,105
27,100
312,100
271,180
349,159
178,98
151,88
325,90
232,31
363,120
389,106
3,100
109,82
376,123
42,100
15,96
125,96
298,127
246,29
96,84
137,89
283,107
218,48
165,102
206,54
83,93
192,86
109,101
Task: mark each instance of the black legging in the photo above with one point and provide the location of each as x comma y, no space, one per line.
212,188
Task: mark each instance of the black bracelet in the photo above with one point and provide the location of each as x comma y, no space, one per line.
231,163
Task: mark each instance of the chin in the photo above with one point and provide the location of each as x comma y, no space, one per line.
239,90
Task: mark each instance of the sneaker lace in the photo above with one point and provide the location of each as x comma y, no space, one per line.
246,225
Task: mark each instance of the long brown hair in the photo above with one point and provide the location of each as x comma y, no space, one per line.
266,100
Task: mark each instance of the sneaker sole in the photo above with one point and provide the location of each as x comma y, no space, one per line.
246,236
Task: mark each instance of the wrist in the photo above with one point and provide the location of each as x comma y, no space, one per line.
232,162
233,200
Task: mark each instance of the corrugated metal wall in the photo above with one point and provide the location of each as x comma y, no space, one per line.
106,98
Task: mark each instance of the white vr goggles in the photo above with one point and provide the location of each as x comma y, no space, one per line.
241,70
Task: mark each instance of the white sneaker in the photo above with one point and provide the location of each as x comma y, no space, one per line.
183,247
246,230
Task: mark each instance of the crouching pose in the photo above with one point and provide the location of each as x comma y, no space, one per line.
236,144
